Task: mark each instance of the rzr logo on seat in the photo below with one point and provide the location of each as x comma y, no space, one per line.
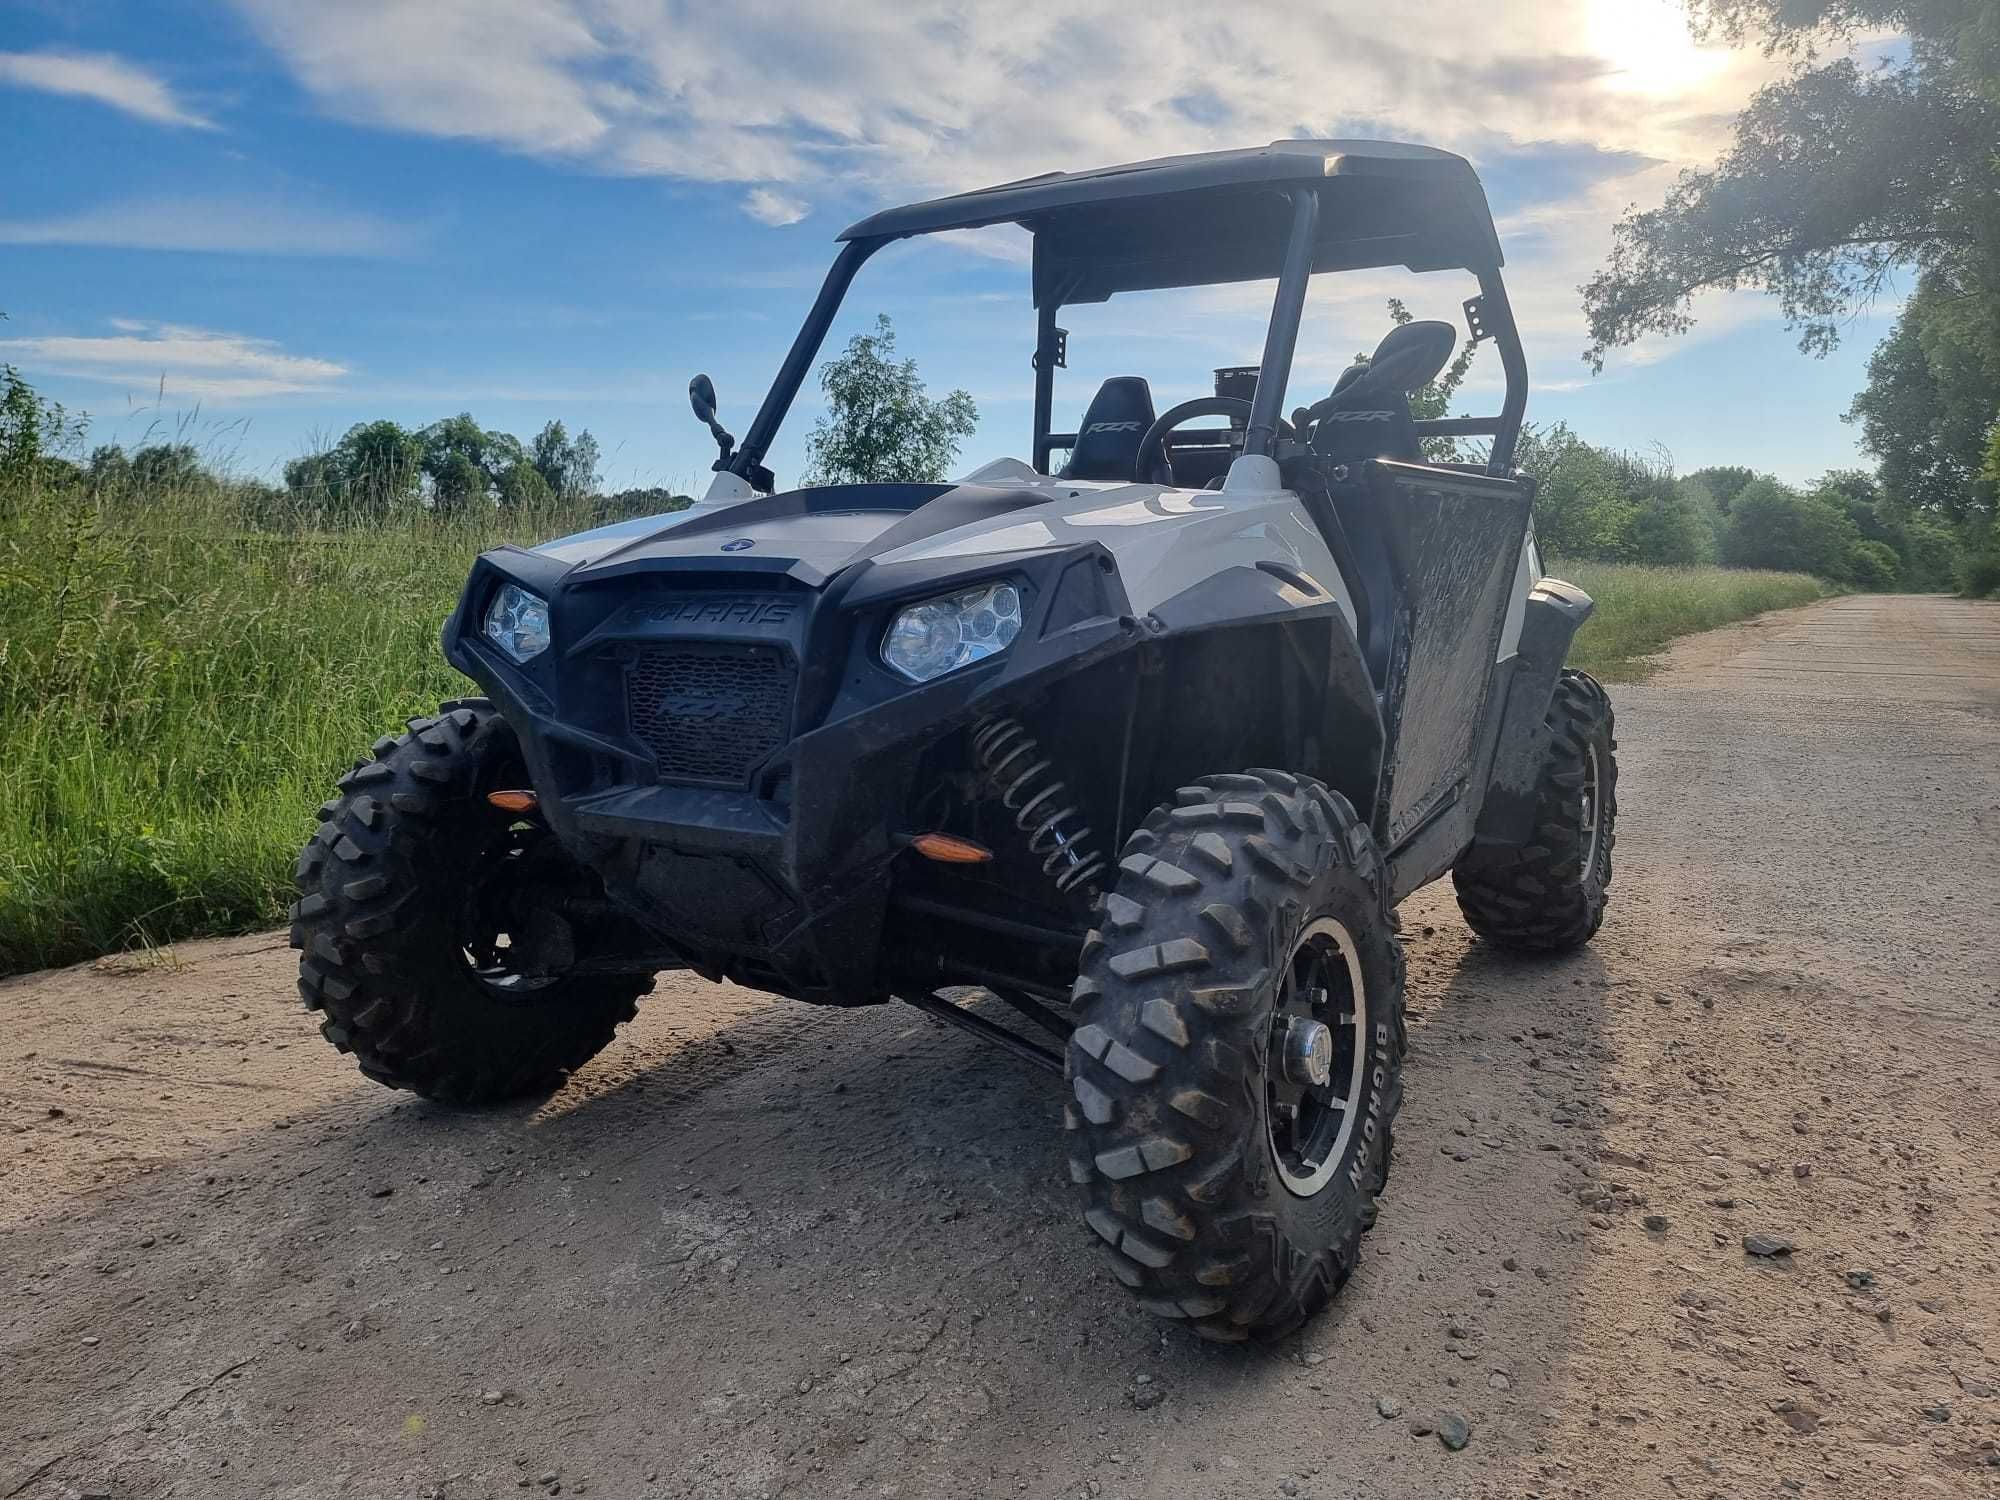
697,708
1360,416
1111,427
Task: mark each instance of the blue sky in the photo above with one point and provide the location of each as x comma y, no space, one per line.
262,221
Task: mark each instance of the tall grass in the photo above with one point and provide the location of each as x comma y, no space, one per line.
179,688
1640,609
178,691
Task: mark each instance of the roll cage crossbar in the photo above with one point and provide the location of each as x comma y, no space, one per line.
1290,210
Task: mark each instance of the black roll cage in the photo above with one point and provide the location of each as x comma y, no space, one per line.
1075,273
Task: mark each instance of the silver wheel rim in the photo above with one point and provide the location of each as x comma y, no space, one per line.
1309,1124
1592,812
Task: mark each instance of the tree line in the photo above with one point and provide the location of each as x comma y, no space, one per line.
1847,526
376,471
1840,181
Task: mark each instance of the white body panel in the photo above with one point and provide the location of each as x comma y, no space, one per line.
1165,540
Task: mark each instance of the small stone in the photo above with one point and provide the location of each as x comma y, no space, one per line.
1453,1430
1802,1169
1498,1382
1510,1264
146,1242
1655,1223
1938,1412
91,1341
1388,1407
492,1398
1860,1279
381,1191
1422,1427
1766,1245
1146,1397
1288,1486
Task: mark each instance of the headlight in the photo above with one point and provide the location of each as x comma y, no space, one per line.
953,630
518,622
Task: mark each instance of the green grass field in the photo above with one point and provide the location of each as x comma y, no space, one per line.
177,694
1640,609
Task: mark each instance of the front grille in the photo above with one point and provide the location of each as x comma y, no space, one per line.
710,711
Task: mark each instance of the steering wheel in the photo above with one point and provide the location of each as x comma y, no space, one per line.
1151,457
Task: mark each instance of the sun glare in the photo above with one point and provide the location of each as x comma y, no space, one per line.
1647,44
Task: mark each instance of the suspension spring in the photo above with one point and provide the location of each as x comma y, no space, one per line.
1039,802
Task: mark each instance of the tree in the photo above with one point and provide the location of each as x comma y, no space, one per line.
33,430
1932,394
1873,565
108,472
465,462
381,465
1772,525
1724,482
166,468
522,487
1837,178
880,427
569,466
1962,36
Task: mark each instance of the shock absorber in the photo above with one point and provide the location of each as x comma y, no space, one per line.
1040,803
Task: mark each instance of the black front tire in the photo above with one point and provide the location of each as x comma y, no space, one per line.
1549,894
1178,999
381,925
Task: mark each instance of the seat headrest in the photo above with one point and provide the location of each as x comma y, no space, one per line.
1107,439
1411,355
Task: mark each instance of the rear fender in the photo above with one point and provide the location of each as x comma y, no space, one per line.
1555,610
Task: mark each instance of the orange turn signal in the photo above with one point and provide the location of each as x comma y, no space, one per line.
514,802
947,850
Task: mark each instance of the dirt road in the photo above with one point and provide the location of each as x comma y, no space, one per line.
759,1249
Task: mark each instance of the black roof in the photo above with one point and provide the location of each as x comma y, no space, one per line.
1221,216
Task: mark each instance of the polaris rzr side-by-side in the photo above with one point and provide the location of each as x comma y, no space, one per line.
1145,744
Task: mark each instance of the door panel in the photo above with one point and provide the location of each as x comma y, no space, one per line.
1453,544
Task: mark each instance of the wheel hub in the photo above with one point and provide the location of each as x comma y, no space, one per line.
1318,1058
1308,1052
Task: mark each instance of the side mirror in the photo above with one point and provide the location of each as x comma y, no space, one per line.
701,396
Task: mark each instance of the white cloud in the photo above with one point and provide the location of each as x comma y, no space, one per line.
103,77
856,105
773,208
891,97
284,225
190,363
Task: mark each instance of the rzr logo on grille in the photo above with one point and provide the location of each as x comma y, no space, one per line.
697,708
717,609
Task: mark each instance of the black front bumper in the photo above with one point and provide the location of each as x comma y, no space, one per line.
778,877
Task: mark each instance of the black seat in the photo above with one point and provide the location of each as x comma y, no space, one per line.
1107,440
1368,414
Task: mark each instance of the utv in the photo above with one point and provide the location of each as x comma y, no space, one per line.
1146,745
